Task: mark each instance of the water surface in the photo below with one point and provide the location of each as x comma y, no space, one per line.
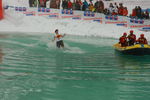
32,68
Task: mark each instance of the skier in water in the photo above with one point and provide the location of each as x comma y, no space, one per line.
58,38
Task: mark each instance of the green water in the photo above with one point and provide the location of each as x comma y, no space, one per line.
32,68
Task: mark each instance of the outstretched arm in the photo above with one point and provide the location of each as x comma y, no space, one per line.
54,38
63,35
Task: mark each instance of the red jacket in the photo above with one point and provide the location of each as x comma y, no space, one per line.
133,13
69,4
142,40
120,10
123,40
132,37
125,12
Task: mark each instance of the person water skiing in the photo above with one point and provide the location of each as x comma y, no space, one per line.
142,39
58,38
123,40
131,38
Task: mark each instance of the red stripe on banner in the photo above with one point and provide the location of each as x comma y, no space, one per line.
29,12
77,16
139,26
48,14
67,16
116,22
91,18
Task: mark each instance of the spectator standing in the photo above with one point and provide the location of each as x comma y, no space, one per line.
42,3
125,11
85,5
65,4
69,4
120,9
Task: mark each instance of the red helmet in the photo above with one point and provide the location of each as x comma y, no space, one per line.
142,35
124,34
131,31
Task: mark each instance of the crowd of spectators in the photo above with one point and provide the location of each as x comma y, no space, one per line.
98,6
138,13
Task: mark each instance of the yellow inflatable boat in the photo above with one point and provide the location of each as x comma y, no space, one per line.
137,49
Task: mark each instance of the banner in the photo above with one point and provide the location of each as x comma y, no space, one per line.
82,15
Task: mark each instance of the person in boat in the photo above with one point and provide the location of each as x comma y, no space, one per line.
142,40
58,37
131,38
123,40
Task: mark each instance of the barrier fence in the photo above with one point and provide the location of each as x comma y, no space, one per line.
84,15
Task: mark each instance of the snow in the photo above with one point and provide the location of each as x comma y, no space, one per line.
41,25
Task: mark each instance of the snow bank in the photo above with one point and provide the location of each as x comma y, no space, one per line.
41,25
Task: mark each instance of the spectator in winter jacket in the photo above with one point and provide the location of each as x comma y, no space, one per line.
78,5
101,7
133,15
42,3
55,4
106,11
65,4
139,12
111,8
69,4
115,8
147,14
91,7
120,9
85,5
125,11
31,3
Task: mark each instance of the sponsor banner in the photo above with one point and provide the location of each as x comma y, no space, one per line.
111,17
98,20
145,29
123,24
139,26
47,14
30,13
146,10
65,11
66,16
21,9
54,15
44,10
89,13
136,21
92,18
116,22
78,17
